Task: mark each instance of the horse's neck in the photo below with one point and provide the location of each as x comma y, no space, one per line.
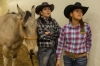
9,26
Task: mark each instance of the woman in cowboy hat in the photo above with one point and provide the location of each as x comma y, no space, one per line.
75,37
48,32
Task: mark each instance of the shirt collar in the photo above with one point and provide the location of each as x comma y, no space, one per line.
44,18
70,25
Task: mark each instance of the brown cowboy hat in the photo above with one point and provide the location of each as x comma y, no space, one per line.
70,8
44,4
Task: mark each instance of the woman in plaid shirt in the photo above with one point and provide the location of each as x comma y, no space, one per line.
48,32
75,37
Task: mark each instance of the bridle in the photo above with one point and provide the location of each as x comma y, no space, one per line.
30,38
31,51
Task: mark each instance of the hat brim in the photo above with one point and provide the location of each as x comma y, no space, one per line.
70,8
38,8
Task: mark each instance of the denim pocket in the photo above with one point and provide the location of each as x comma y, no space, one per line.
42,50
84,58
82,61
67,61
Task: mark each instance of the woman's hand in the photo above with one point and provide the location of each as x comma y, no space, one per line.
47,33
58,63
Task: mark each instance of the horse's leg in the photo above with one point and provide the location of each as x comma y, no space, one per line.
5,51
15,51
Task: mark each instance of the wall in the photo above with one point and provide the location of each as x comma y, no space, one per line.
3,7
0,8
92,17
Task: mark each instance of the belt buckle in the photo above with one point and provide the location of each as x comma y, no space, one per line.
76,55
72,55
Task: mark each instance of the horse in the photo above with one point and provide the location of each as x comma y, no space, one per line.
14,28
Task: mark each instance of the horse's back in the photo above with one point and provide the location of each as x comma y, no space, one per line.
8,28
8,16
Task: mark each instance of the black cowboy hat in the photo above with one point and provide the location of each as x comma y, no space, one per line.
70,8
44,4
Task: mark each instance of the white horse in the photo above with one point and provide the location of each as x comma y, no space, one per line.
14,28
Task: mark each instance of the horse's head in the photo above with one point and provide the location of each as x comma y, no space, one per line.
28,26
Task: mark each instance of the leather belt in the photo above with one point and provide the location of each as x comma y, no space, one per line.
74,56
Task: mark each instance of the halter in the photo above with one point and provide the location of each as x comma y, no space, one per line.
31,52
30,38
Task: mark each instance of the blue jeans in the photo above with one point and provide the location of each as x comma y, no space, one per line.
47,57
75,62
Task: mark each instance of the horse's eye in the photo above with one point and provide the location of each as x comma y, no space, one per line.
24,27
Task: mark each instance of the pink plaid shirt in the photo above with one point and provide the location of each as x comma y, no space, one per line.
71,40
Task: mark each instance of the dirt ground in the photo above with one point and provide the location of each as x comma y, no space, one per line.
23,58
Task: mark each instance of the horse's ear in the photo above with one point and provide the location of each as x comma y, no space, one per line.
20,11
33,11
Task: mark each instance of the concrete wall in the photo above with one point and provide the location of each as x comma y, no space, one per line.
0,7
92,17
3,7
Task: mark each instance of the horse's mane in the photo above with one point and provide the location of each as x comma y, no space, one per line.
28,14
12,13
